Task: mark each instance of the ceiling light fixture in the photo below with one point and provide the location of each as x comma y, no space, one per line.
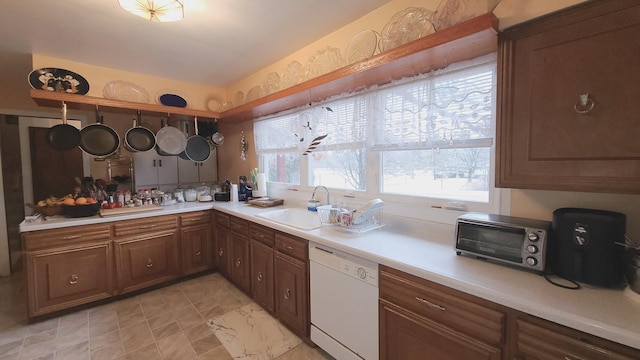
155,10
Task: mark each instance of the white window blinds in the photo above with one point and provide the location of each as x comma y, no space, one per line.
450,108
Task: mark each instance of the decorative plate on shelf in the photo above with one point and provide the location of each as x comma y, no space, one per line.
406,26
324,61
361,46
254,93
271,83
172,98
58,80
214,103
292,75
239,98
124,90
452,12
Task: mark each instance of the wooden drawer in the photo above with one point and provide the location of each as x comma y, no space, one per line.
239,226
44,239
476,317
541,339
68,276
222,219
292,246
262,234
145,226
195,218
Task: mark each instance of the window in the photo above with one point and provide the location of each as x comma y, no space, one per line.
423,140
435,134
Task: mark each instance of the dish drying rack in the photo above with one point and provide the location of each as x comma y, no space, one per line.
346,217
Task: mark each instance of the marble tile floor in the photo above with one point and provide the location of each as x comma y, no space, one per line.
167,323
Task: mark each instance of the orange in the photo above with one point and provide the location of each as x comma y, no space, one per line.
69,201
91,200
81,200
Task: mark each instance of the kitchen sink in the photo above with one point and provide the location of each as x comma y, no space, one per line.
299,218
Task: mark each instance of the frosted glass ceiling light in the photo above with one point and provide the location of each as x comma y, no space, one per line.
155,10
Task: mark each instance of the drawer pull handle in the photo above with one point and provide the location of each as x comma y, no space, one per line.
287,294
149,263
288,247
430,304
73,279
238,262
260,276
70,237
221,252
196,219
198,253
260,236
148,226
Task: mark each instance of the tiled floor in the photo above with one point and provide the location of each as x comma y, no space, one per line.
168,323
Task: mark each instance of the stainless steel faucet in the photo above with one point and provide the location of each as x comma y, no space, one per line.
313,196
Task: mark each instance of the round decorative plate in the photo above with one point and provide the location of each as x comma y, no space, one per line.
172,98
271,83
406,26
361,46
254,93
58,80
124,90
452,12
292,75
324,61
214,103
239,98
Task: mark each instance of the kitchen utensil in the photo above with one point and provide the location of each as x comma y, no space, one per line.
217,139
139,138
63,136
197,149
99,139
170,140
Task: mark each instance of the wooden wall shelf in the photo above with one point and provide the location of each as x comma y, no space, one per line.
464,41
83,102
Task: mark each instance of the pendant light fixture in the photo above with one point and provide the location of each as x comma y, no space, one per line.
155,10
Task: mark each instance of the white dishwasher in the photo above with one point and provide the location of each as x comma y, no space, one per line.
344,303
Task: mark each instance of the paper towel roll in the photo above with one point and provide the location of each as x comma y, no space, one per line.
234,192
261,187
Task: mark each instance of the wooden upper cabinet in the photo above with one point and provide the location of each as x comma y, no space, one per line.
547,138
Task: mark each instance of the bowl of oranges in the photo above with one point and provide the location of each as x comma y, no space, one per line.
80,207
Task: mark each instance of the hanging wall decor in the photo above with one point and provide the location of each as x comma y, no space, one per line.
244,146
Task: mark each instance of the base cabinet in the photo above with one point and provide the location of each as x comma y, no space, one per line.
292,283
146,260
262,281
222,235
240,266
196,241
64,277
405,335
428,320
538,339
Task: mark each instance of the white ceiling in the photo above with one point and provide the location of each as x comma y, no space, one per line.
218,43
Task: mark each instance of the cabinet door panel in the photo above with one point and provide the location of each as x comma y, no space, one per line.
62,278
404,335
262,275
222,250
146,260
240,262
188,171
546,139
196,249
292,293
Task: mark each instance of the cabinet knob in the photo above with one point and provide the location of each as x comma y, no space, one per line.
238,262
198,253
260,276
149,263
154,162
287,294
287,247
160,163
221,252
73,279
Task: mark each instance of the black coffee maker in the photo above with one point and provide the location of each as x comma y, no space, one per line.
586,246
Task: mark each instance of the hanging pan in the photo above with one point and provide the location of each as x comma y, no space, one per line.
63,136
99,139
139,138
197,149
170,140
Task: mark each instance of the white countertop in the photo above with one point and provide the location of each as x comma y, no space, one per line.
426,250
